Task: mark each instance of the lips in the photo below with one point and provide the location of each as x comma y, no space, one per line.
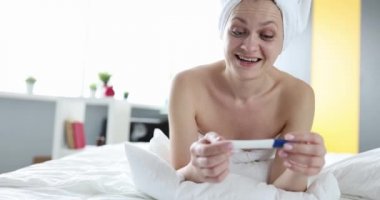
248,59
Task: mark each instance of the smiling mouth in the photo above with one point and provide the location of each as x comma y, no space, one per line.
248,59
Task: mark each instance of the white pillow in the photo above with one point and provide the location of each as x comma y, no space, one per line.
359,175
160,145
151,174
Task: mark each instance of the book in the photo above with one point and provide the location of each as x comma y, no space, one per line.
69,134
79,135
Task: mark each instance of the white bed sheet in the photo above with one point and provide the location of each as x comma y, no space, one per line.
97,173
94,174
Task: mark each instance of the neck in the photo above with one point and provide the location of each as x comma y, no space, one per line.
246,90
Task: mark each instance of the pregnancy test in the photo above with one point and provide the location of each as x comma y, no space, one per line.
258,144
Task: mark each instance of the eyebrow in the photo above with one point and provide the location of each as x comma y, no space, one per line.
261,24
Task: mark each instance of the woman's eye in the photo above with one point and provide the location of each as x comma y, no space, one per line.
237,33
267,36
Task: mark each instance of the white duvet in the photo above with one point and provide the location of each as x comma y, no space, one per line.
153,175
94,174
105,173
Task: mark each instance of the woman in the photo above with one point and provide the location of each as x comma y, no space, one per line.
245,97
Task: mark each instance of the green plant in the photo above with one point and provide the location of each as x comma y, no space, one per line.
104,77
93,86
126,95
30,80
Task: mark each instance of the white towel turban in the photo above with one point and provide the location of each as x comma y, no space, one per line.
295,15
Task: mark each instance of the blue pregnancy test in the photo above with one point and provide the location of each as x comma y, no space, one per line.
258,144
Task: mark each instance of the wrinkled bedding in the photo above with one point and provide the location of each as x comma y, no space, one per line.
94,174
246,181
97,173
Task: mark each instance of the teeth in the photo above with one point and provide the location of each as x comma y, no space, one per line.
249,59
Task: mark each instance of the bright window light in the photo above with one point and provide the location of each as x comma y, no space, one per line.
143,44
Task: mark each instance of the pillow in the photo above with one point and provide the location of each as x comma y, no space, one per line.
359,175
151,174
160,145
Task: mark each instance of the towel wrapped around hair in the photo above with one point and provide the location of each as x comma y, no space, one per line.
295,15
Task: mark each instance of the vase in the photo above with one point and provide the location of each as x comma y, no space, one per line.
92,93
29,88
108,91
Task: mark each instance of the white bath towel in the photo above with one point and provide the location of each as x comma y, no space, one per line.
295,14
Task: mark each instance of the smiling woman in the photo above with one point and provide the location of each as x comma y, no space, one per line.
245,97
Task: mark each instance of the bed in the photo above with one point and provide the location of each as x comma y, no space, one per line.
104,173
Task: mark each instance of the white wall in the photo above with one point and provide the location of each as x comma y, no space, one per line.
65,43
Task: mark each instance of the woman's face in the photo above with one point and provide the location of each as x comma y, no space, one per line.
253,38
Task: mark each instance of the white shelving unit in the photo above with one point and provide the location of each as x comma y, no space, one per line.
65,109
118,122
119,112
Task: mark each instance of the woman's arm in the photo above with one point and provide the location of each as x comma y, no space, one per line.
203,160
304,156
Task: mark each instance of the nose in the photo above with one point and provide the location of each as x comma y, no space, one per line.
250,43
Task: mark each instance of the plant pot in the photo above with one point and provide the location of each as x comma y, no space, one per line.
108,91
29,88
92,93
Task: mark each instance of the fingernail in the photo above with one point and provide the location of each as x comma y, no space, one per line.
289,137
288,147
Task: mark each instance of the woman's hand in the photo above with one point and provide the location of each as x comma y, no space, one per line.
305,153
209,159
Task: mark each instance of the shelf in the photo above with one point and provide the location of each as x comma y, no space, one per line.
118,122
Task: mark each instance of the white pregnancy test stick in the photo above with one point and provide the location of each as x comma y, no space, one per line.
258,144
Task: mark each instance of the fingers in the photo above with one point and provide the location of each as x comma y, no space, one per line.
309,171
306,149
307,144
208,162
214,172
210,145
304,137
304,153
212,137
303,160
306,165
217,178
210,157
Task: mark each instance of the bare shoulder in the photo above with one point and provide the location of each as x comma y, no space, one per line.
297,102
197,77
295,89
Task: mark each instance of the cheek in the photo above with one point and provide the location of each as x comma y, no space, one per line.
229,44
273,50
271,53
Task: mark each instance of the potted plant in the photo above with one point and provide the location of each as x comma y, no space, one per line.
126,95
105,77
93,88
108,89
30,81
